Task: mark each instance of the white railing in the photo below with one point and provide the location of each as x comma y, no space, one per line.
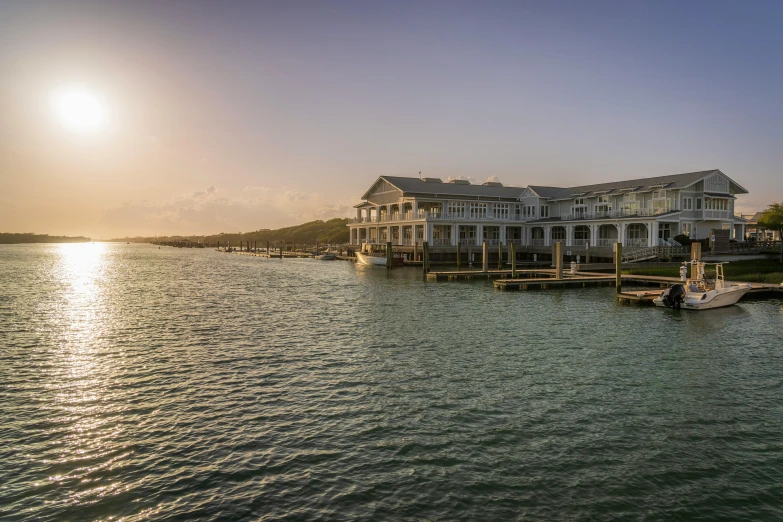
639,242
538,242
717,214
579,242
437,215
441,242
621,213
605,242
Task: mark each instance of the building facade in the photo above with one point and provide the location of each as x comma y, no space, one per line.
636,213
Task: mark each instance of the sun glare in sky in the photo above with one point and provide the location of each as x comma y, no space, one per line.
80,110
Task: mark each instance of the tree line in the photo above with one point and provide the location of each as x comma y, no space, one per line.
333,231
11,238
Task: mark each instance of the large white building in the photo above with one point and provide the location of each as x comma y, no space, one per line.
636,213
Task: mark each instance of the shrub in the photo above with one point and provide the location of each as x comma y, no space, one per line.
683,239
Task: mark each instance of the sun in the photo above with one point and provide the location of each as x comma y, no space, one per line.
80,109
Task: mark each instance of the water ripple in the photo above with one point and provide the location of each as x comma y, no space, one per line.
157,384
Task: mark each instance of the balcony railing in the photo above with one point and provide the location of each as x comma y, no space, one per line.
621,213
717,214
437,215
538,242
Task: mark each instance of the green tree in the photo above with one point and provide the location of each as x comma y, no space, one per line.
772,219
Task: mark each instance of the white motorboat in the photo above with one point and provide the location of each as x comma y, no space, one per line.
326,256
702,294
369,259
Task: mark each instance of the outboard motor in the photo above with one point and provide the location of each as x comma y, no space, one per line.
675,297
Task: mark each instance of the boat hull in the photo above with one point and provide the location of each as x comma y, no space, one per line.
710,299
364,259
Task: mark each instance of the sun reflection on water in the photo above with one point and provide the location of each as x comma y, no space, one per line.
82,373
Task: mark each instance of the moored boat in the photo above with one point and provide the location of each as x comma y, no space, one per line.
700,293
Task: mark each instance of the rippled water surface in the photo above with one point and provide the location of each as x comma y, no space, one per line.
144,383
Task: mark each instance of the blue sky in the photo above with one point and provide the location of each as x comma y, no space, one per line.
244,115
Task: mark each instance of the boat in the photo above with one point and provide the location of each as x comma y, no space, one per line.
370,259
368,256
700,293
326,256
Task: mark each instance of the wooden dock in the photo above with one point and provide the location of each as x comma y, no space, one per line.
552,283
467,275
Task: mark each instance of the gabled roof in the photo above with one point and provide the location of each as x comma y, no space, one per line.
419,186
675,181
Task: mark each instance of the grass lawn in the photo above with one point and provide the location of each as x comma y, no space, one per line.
750,271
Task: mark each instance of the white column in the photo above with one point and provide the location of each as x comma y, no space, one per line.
653,230
503,234
569,235
548,235
454,234
480,234
415,209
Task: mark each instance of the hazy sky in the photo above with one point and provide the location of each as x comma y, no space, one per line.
234,116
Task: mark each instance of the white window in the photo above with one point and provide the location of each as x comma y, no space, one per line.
478,210
501,210
687,203
660,203
698,203
544,211
629,201
603,204
457,209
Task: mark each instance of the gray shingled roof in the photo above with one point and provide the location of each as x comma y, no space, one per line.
674,181
418,186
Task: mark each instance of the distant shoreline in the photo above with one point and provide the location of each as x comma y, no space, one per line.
7,238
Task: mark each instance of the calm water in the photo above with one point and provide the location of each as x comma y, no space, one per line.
144,383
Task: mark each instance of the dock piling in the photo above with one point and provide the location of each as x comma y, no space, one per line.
388,255
484,257
513,255
425,259
618,264
500,255
558,260
459,257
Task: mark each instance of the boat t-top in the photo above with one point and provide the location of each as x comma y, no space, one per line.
700,293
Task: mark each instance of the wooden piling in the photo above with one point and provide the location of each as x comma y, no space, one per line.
281,250
484,257
425,259
268,253
618,268
513,255
558,260
500,256
459,256
388,255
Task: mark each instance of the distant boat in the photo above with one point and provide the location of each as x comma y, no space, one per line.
326,256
